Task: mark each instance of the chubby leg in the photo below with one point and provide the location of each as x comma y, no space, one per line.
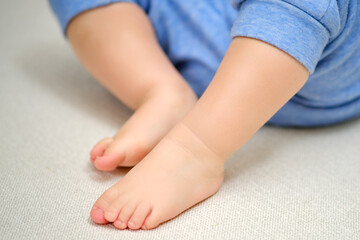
254,80
117,45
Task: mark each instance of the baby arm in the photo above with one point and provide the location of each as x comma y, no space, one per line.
254,81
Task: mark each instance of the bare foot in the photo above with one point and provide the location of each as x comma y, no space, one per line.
178,173
142,131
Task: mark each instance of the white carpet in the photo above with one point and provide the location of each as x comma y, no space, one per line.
284,184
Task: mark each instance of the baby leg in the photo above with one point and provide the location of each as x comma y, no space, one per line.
118,46
254,80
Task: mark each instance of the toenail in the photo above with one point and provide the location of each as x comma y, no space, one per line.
98,210
131,224
120,224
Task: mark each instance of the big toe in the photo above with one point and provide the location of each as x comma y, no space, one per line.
97,215
106,163
99,148
112,157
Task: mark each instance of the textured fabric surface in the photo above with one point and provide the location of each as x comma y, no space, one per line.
284,184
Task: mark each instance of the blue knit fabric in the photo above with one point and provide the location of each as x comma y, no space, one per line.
323,35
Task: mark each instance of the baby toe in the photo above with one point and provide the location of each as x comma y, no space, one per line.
127,211
106,163
99,149
138,217
152,221
97,213
112,212
111,158
120,225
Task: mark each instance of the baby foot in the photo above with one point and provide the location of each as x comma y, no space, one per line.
178,173
142,131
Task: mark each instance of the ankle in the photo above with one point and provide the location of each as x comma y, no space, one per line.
190,142
178,95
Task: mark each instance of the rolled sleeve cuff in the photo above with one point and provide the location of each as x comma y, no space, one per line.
283,26
66,10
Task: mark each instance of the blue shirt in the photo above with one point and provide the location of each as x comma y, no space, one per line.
323,35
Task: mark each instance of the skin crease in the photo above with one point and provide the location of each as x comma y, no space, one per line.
186,163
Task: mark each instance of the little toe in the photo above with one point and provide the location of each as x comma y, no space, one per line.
127,211
99,149
138,217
